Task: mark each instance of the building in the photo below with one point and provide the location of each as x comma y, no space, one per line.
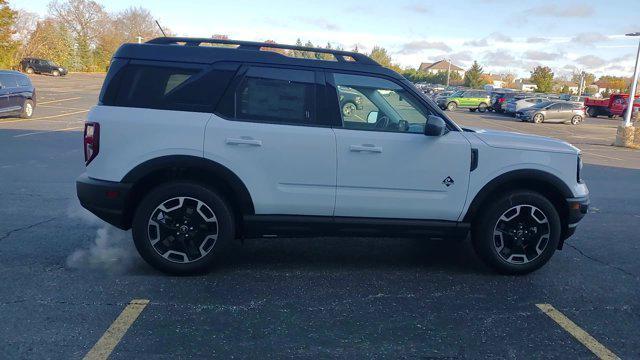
495,81
442,65
525,85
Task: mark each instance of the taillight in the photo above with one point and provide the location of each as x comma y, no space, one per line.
91,141
501,100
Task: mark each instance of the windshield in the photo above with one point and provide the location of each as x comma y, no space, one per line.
49,62
457,94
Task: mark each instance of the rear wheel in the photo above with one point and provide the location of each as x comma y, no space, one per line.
592,112
29,70
518,233
538,118
27,109
482,107
576,120
179,227
452,106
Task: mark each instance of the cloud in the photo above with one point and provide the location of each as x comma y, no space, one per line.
477,43
417,8
589,38
554,10
461,56
537,40
320,23
501,58
591,61
420,45
499,37
540,55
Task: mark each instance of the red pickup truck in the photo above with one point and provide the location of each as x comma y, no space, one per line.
615,105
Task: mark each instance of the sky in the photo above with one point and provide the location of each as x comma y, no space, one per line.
503,36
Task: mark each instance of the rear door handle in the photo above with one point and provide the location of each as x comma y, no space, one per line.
365,148
243,141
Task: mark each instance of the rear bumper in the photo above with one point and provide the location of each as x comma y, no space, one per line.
106,199
578,208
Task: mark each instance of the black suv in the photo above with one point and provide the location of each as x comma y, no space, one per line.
17,94
41,66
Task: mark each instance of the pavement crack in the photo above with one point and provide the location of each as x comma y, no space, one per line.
26,227
594,259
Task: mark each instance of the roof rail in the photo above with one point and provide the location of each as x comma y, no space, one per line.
340,55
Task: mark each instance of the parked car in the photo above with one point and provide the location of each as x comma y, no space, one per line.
441,98
614,105
350,101
499,99
468,99
553,111
17,95
41,66
514,105
192,152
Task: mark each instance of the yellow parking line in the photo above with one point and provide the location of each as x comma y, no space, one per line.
61,100
48,131
103,348
44,117
569,326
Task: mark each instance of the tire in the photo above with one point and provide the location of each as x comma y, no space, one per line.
482,107
537,119
29,70
506,245
452,106
208,219
55,73
592,112
473,110
576,120
27,109
348,108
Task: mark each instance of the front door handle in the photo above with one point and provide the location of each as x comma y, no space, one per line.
365,148
243,141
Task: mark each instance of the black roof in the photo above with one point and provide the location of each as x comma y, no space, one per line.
181,49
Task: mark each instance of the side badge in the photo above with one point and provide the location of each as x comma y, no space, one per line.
448,181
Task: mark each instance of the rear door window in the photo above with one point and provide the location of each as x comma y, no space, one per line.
277,95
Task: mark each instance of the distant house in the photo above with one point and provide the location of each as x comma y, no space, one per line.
495,82
525,85
442,65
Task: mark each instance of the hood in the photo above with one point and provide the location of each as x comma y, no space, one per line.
513,140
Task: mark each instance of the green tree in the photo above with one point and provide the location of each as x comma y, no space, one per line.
8,46
565,89
473,77
51,40
382,57
589,78
542,77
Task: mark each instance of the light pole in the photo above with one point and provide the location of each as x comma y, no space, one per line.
448,71
627,115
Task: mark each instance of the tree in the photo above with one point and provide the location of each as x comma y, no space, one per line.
8,45
613,83
542,77
508,80
565,89
86,20
589,78
382,57
50,40
473,77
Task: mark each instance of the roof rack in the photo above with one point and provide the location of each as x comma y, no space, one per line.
340,55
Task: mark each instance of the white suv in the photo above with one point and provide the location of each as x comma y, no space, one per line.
192,146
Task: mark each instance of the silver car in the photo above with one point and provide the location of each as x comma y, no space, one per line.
515,105
553,111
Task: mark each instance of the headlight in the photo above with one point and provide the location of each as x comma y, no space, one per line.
60,69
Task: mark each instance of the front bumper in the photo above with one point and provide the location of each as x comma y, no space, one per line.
106,199
578,208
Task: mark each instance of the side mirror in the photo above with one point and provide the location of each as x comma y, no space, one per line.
372,118
435,126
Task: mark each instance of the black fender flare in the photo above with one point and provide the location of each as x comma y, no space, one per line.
205,168
549,181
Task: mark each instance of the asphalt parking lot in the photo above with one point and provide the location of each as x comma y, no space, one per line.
71,285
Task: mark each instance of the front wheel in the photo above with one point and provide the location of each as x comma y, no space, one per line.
27,109
482,107
576,120
452,106
538,118
518,233
30,70
55,73
179,227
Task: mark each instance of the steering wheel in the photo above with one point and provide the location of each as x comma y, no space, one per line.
383,122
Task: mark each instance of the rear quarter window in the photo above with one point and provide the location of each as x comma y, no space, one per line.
156,85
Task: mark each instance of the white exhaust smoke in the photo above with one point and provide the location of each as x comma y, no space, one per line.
111,250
